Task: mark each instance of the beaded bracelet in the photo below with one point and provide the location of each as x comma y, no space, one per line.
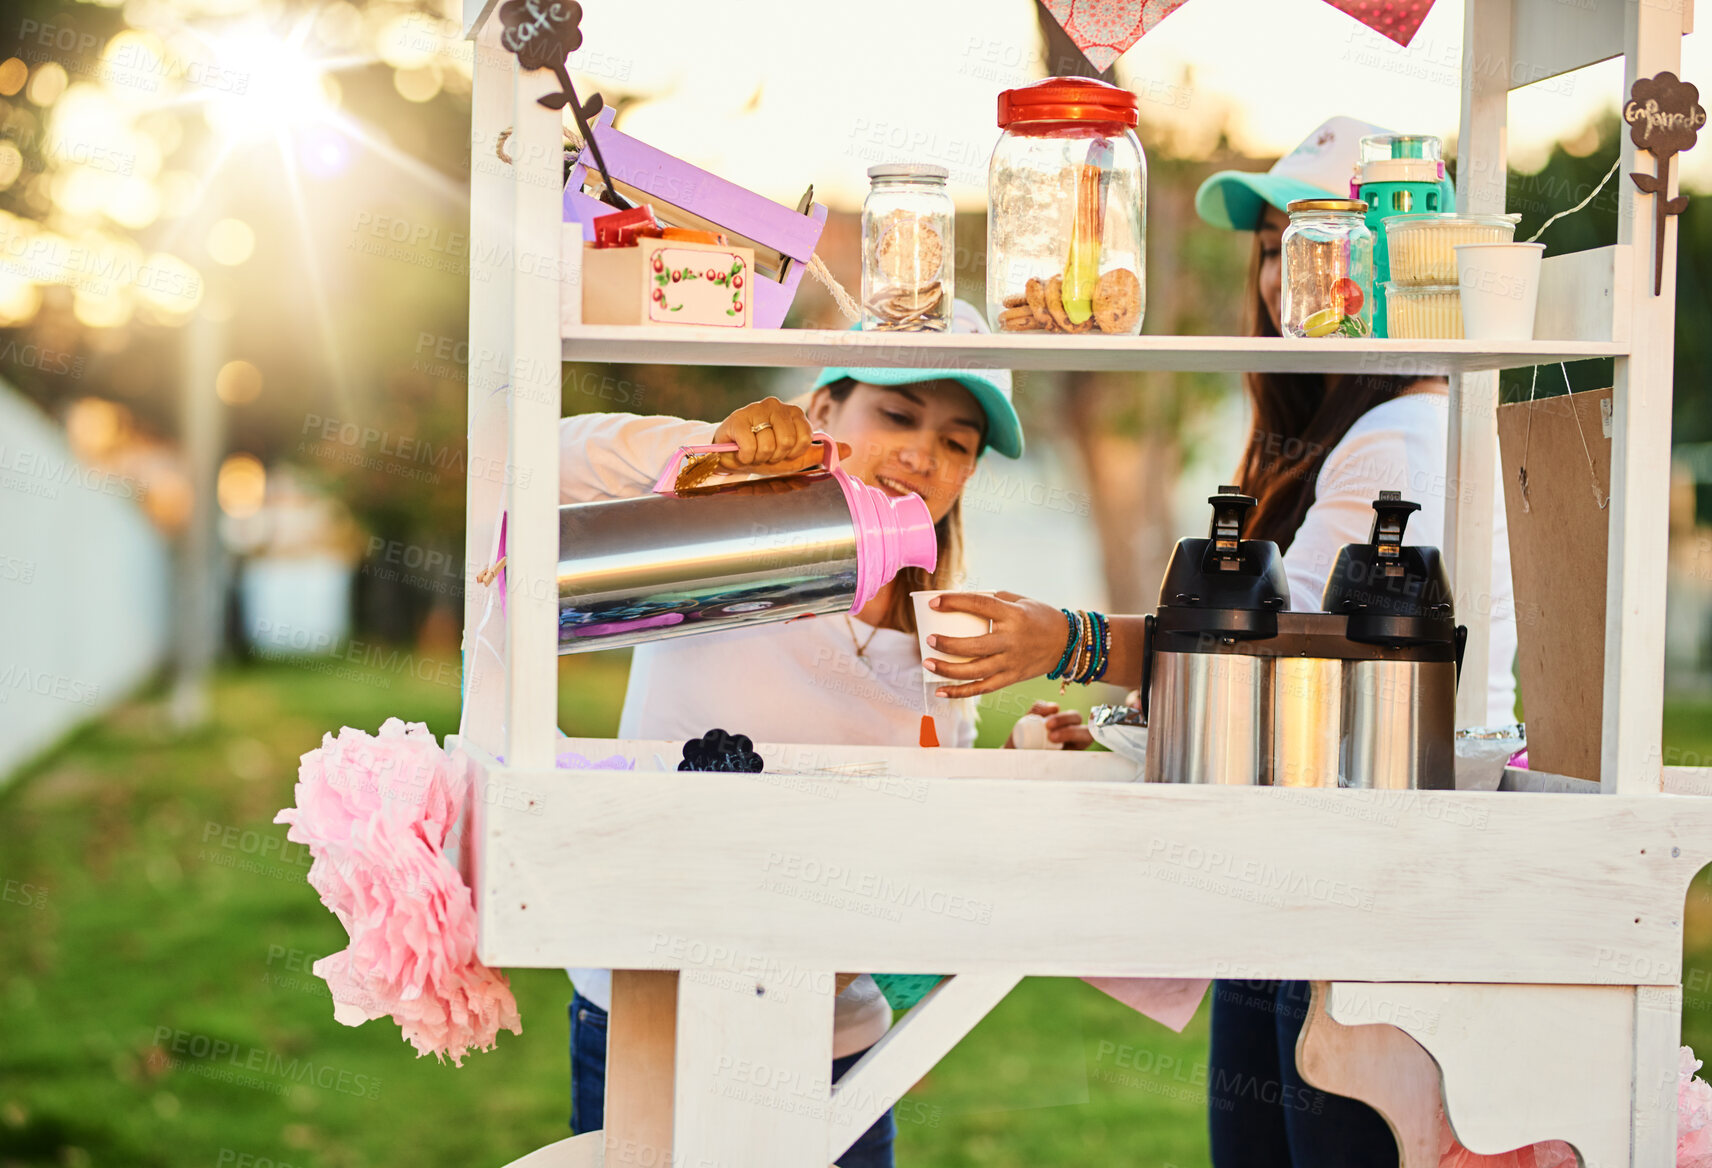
1105,645
1079,653
1087,649
1069,646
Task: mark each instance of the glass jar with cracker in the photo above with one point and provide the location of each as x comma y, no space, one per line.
907,249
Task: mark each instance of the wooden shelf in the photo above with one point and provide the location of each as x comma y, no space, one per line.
630,344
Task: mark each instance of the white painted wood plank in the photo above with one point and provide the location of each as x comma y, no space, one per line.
1087,879
1520,1063
1584,295
815,347
754,1081
1658,1038
532,539
1550,38
899,767
489,356
1471,455
1687,780
1542,782
909,1050
1381,1066
1640,474
582,1151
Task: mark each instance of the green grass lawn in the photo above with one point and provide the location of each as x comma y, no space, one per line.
150,904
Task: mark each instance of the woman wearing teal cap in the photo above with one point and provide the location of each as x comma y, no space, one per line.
834,679
1319,449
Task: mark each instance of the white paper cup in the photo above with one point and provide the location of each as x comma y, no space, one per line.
931,622
1500,285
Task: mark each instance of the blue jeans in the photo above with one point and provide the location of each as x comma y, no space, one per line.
588,1088
1259,1112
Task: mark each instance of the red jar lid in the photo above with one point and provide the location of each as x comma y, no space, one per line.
1068,99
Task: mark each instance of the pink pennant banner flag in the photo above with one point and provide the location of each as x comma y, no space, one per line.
1103,29
1398,19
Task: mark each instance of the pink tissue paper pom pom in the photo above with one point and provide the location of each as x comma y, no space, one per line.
380,817
1693,1115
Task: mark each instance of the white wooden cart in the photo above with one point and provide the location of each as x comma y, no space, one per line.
1512,957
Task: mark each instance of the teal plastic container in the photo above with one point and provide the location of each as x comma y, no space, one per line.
1399,174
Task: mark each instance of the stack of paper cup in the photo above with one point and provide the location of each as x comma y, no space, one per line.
1500,289
933,622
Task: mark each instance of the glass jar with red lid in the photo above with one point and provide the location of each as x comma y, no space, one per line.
1067,211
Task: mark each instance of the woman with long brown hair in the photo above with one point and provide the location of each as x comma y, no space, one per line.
1319,449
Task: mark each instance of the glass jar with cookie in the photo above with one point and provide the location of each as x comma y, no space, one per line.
1067,211
907,249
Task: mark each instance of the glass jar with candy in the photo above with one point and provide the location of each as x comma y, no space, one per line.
1067,211
1327,274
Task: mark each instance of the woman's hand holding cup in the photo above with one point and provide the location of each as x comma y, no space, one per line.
1026,641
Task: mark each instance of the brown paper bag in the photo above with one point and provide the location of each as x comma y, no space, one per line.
1558,536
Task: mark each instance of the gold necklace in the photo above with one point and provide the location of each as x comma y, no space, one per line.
861,646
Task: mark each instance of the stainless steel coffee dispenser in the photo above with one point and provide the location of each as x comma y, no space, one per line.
1238,690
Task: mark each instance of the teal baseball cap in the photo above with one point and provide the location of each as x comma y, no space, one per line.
991,388
1321,167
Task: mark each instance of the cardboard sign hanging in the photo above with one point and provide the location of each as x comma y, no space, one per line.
1557,476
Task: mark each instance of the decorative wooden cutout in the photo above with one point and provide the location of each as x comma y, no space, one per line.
1664,116
542,33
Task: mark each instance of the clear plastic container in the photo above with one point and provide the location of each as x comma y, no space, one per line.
1067,211
1327,270
908,248
1424,311
1423,247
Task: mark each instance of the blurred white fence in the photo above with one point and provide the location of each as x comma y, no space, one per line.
84,586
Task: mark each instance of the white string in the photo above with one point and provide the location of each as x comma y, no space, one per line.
1600,498
1579,205
846,304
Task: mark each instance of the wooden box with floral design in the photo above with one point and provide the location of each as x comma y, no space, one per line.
668,282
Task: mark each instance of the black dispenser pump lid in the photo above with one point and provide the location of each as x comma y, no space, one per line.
1230,512
1390,516
1224,585
1394,593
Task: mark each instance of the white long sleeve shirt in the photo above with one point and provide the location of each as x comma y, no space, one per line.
827,679
1400,446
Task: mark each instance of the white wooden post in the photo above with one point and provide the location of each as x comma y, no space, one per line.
532,473
1658,1037
491,223
754,1073
641,1054
1471,455
1640,442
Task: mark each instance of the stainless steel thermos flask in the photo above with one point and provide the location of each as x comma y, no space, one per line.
672,565
1236,689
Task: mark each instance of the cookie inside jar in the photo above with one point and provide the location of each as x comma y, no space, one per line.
1040,307
907,246
1066,211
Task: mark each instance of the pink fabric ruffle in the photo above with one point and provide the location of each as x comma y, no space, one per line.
1693,1133
380,816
